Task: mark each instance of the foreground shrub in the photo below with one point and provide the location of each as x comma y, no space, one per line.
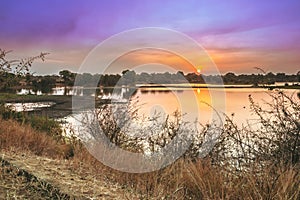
272,138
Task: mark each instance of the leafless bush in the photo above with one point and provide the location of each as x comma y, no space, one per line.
272,139
17,66
123,127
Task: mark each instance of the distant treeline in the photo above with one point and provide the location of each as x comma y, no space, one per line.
128,77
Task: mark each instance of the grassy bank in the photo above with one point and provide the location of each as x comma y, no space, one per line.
182,180
10,97
61,108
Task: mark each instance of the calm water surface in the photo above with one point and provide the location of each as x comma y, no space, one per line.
236,101
195,102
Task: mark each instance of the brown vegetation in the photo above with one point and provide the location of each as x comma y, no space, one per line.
23,138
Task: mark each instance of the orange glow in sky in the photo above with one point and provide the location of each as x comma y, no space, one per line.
148,58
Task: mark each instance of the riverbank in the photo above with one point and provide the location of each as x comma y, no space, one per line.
62,103
33,165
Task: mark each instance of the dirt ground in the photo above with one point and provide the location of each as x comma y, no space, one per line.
26,176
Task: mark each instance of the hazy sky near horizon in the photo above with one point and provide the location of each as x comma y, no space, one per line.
237,34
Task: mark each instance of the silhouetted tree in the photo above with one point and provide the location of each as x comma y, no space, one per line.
128,77
68,78
12,70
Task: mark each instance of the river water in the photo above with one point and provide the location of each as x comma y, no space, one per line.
196,103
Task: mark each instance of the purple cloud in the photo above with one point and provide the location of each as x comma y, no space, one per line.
76,26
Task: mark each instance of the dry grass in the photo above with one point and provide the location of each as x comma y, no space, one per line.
280,182
16,137
201,180
181,180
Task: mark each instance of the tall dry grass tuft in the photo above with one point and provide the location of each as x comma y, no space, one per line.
16,137
273,182
204,181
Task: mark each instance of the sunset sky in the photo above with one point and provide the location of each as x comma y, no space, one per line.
239,35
